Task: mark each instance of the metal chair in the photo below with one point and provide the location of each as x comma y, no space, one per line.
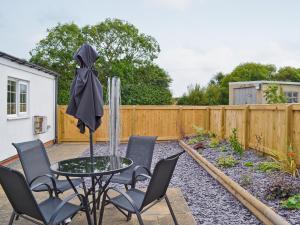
52,211
140,151
36,166
136,201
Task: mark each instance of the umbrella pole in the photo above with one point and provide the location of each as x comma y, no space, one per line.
93,178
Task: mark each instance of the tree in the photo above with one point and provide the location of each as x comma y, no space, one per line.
123,51
194,96
55,52
288,74
274,94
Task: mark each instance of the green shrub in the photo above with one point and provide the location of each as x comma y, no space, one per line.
194,140
268,166
248,164
227,162
245,180
223,148
292,202
214,142
212,134
235,144
200,131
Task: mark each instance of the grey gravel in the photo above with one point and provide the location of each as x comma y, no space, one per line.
210,203
260,181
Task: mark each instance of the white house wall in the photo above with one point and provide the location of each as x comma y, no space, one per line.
41,103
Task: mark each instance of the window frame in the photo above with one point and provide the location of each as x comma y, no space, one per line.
292,96
18,114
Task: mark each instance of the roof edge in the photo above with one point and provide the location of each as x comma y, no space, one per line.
265,82
26,63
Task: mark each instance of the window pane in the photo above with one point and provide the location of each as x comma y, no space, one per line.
295,94
11,97
23,89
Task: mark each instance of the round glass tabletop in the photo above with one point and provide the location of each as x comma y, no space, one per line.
81,167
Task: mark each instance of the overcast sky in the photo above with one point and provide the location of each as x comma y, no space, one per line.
198,38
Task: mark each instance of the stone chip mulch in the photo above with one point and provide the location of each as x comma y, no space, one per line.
260,181
210,203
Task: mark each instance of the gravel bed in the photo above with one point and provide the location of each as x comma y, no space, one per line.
210,203
260,181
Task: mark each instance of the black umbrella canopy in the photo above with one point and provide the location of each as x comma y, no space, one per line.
86,102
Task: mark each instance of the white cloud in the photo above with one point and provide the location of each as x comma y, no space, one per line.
173,4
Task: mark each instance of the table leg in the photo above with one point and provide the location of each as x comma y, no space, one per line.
94,209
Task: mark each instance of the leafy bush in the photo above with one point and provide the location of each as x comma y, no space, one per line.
214,142
281,188
223,148
200,131
245,180
248,164
268,166
212,134
235,144
227,162
292,202
194,140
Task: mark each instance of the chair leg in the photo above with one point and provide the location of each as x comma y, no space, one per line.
129,216
171,210
12,218
102,209
139,217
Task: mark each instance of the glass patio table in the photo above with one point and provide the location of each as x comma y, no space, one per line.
82,167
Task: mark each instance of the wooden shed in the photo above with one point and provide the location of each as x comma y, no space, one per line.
252,92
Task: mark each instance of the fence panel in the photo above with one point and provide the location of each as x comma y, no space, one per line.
267,128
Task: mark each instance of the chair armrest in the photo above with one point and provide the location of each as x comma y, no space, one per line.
42,184
126,196
143,175
48,176
63,203
135,175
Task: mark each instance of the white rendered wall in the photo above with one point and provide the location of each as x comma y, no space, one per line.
41,103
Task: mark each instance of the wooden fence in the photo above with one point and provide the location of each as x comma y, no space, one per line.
266,128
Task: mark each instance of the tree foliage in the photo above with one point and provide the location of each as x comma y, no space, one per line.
274,94
124,52
217,90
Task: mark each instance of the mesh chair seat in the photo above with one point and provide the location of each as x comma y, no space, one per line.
48,206
136,195
61,185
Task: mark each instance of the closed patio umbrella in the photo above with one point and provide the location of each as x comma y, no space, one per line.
86,103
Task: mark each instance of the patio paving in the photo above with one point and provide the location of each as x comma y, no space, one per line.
157,215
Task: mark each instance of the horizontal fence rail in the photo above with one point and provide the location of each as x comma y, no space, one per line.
266,128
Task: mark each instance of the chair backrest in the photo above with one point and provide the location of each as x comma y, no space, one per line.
18,193
160,179
34,159
140,150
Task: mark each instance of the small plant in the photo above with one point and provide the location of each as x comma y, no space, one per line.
211,134
214,142
268,166
248,164
194,140
292,202
281,188
227,162
199,131
235,144
223,148
245,180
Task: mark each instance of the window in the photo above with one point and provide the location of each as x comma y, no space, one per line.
17,97
292,97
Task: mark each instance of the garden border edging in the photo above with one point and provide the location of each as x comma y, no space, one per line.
259,209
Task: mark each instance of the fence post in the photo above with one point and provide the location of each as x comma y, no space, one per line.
180,123
133,119
207,118
246,127
223,122
59,124
288,132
